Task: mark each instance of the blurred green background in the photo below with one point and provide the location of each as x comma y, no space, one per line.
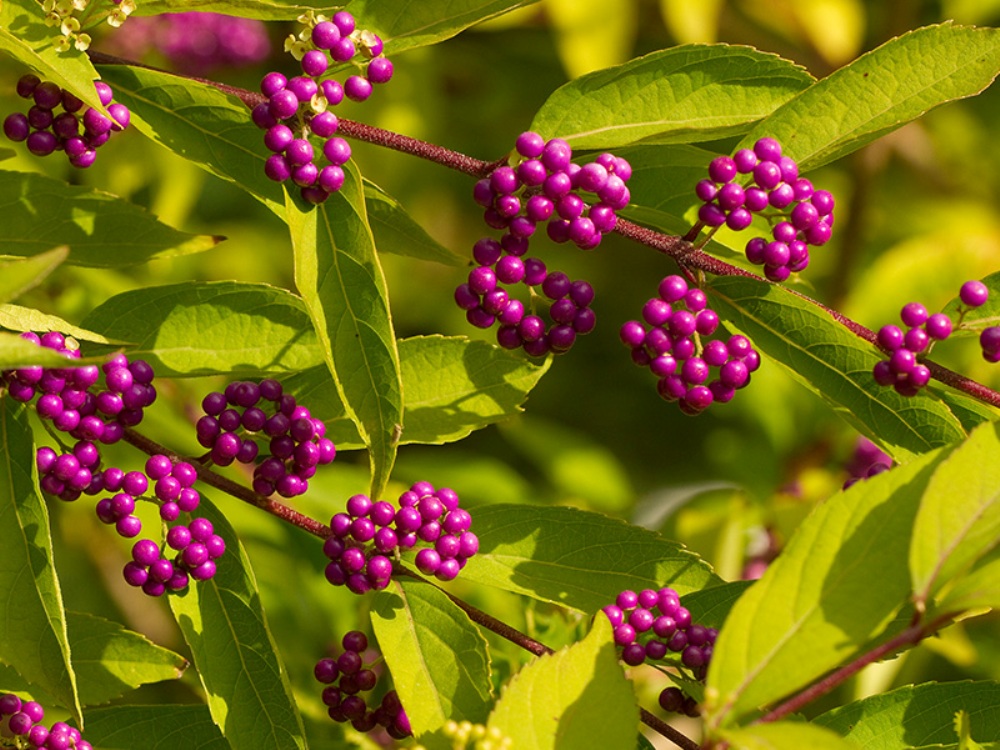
917,215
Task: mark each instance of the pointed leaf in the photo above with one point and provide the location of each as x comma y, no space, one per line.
17,318
160,727
977,589
786,736
574,558
242,329
396,232
29,40
882,91
338,274
439,660
101,230
405,24
33,620
835,364
18,352
710,607
959,519
110,660
20,276
917,715
694,92
577,697
837,584
237,659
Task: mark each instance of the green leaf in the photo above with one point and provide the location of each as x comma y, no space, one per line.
26,37
224,327
7,153
917,715
17,318
337,272
110,660
439,660
101,230
882,91
34,638
263,10
786,736
710,607
405,24
964,730
838,583
199,123
576,558
835,364
237,659
20,276
160,727
959,518
575,698
396,232
694,92
18,352
979,588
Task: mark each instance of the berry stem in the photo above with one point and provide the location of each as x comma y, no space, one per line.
206,475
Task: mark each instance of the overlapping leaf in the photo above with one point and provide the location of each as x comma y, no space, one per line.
786,736
222,620
34,639
883,90
19,276
160,727
396,232
577,697
439,660
18,318
576,558
834,364
243,329
264,10
100,229
679,95
338,274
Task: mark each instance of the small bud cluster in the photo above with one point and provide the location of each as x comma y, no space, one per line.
659,614
866,461
347,677
45,131
675,349
801,216
22,720
297,445
481,737
300,107
63,13
365,536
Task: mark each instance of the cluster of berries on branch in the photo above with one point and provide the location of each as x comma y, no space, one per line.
301,107
236,417
650,624
346,677
543,186
366,537
22,720
76,131
762,181
904,370
677,349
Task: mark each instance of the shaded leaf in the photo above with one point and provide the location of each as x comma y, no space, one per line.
34,638
786,736
264,10
238,663
396,232
242,329
101,230
689,93
338,274
835,364
577,697
710,607
19,276
837,584
439,660
978,588
160,727
883,90
576,558
917,715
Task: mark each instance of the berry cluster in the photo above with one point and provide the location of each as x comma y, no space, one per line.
299,108
363,538
65,396
674,349
866,461
347,677
801,216
660,614
903,370
24,723
78,135
296,441
197,547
